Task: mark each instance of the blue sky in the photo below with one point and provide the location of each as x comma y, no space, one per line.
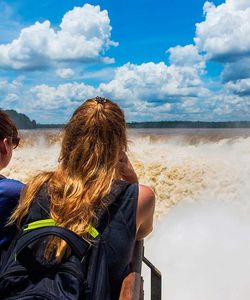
160,60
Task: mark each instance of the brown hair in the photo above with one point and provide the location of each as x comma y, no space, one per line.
7,126
91,146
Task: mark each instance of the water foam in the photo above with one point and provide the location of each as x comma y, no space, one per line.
201,241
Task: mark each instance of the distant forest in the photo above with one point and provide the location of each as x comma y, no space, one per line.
189,124
24,122
21,120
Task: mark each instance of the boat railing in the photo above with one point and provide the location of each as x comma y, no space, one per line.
132,286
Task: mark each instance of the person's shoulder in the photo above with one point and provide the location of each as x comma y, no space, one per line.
146,200
13,183
145,211
146,194
11,187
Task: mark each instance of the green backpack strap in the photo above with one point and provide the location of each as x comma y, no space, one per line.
50,222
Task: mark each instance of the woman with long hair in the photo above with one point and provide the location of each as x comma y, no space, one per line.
9,188
93,171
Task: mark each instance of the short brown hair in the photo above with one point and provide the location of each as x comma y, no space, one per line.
7,126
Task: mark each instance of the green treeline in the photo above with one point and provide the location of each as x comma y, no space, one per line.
24,122
50,126
21,120
172,124
190,124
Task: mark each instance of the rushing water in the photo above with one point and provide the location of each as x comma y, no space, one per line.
201,241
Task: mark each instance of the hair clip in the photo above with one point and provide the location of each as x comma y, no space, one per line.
100,99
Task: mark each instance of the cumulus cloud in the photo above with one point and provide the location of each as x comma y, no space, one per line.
63,96
150,90
225,33
65,73
6,86
240,87
186,56
154,82
49,103
189,106
238,69
229,106
224,36
136,87
10,92
83,35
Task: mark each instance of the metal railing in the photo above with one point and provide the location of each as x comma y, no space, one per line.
132,287
155,280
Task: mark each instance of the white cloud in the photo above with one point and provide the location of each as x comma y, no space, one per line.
7,87
65,73
142,90
240,87
186,56
154,82
47,104
10,92
55,103
189,106
150,91
224,37
238,4
63,96
231,107
235,70
84,35
225,33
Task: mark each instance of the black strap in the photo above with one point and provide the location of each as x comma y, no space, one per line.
41,206
78,245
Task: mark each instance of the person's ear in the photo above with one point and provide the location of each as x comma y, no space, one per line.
4,146
3,149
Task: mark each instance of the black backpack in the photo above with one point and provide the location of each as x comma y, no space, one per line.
83,275
25,275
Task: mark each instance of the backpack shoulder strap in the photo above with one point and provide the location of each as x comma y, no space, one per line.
78,245
40,207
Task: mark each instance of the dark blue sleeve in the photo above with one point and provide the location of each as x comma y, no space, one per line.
10,190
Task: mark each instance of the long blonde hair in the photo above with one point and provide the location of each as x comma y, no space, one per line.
91,147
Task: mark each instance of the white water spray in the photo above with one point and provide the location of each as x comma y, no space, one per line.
201,241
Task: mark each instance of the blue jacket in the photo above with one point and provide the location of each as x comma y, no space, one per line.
9,195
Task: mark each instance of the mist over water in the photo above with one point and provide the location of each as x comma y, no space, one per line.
201,240
202,250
